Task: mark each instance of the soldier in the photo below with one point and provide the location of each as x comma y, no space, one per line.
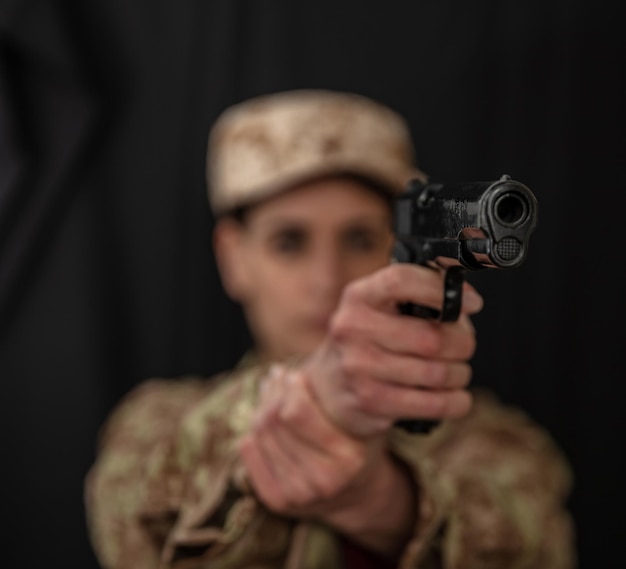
294,459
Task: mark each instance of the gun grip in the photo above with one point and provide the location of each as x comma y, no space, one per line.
452,298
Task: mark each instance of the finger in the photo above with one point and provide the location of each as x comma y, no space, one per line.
324,471
308,422
270,390
371,361
405,282
393,401
472,301
332,457
261,475
293,461
274,469
289,464
447,341
272,396
405,334
303,454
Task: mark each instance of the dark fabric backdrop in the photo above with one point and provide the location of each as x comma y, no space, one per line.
106,270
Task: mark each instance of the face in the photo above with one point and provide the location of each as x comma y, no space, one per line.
289,261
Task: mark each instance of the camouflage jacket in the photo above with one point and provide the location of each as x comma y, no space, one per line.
167,489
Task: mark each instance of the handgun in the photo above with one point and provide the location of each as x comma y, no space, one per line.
460,227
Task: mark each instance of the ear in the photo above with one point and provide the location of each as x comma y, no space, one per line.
228,237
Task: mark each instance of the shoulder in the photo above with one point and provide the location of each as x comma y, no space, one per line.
152,408
496,483
506,435
158,408
497,441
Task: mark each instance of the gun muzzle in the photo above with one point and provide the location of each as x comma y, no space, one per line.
475,224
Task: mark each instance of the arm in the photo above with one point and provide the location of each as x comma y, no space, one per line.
167,488
302,466
166,491
324,445
318,448
496,487
135,440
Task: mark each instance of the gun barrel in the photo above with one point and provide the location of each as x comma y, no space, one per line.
476,225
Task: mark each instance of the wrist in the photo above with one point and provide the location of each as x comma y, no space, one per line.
381,515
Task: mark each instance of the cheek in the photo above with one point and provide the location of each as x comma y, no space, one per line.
363,266
274,311
272,290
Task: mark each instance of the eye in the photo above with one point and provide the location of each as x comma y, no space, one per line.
362,239
289,241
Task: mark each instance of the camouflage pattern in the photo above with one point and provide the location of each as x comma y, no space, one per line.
167,489
268,144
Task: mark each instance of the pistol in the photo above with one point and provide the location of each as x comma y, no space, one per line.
460,227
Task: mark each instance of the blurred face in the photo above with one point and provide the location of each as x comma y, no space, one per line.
289,261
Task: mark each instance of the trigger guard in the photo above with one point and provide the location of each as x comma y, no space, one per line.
452,294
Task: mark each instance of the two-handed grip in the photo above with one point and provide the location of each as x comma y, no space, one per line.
452,298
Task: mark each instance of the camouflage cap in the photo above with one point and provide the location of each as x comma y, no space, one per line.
268,144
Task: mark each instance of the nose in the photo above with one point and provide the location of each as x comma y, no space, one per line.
326,276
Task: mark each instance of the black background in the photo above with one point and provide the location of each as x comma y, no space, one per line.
106,270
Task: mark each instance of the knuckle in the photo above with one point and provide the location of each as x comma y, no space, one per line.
367,395
470,347
434,405
436,374
333,482
341,325
468,402
352,292
296,497
458,375
465,374
353,362
328,486
348,366
353,461
468,343
294,414
455,404
430,341
275,502
458,404
391,280
296,409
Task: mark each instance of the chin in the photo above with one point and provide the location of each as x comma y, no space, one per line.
312,345
305,347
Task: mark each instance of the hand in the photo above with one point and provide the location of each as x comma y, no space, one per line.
302,465
377,366
317,447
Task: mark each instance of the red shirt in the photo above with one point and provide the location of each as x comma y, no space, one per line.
356,557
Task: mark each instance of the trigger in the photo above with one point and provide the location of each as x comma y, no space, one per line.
452,294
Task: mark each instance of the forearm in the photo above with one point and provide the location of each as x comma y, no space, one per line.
381,516
497,487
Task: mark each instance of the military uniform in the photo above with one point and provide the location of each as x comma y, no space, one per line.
168,490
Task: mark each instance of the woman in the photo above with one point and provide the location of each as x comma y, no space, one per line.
293,459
